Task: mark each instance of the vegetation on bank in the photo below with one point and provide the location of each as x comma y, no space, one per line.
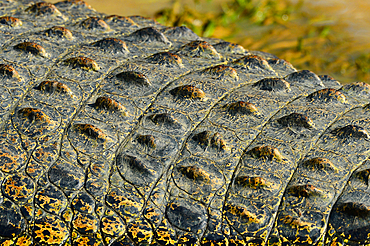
308,41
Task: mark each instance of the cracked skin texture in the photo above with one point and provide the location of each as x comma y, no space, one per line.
120,131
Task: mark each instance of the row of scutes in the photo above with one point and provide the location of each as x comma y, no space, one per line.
120,131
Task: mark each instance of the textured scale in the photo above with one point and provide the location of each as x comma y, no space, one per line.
120,131
10,21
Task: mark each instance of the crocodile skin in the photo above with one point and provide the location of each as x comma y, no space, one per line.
120,131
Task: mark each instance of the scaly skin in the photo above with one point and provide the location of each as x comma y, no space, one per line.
120,131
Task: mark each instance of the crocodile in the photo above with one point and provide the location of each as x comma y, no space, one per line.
121,131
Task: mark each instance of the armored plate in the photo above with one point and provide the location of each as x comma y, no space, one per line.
120,131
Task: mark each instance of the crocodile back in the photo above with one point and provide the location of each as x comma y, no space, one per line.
121,131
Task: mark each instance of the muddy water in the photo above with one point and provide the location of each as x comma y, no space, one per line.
139,7
353,15
127,7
